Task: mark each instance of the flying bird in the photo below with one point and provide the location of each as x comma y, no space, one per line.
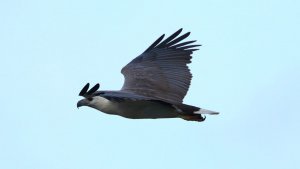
155,84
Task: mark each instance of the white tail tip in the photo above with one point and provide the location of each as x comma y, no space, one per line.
204,111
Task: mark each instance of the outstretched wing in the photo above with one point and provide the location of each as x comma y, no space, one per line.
161,72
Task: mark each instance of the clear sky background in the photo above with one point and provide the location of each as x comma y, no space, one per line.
248,69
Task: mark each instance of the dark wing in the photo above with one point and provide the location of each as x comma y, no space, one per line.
161,72
120,96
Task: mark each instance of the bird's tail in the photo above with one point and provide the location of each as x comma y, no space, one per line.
192,113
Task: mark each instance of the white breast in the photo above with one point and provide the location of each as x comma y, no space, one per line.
104,105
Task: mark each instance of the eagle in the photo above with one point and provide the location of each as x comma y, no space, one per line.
155,84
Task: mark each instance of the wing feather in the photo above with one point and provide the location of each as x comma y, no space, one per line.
179,39
161,72
170,38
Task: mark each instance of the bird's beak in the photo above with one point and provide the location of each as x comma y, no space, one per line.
82,102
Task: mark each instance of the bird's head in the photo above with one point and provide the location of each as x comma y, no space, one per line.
88,95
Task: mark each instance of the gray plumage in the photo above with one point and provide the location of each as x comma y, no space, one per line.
155,84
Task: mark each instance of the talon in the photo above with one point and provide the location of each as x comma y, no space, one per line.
203,118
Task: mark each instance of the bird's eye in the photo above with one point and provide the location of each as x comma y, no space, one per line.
90,98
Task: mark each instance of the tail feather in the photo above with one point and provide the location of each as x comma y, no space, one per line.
204,111
192,113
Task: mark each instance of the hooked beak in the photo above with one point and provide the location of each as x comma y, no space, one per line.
82,102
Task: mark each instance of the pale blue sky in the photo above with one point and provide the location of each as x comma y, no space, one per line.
248,69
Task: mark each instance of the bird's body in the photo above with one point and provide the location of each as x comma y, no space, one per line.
155,84
140,109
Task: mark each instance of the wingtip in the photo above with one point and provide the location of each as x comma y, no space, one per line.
179,31
84,89
93,89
